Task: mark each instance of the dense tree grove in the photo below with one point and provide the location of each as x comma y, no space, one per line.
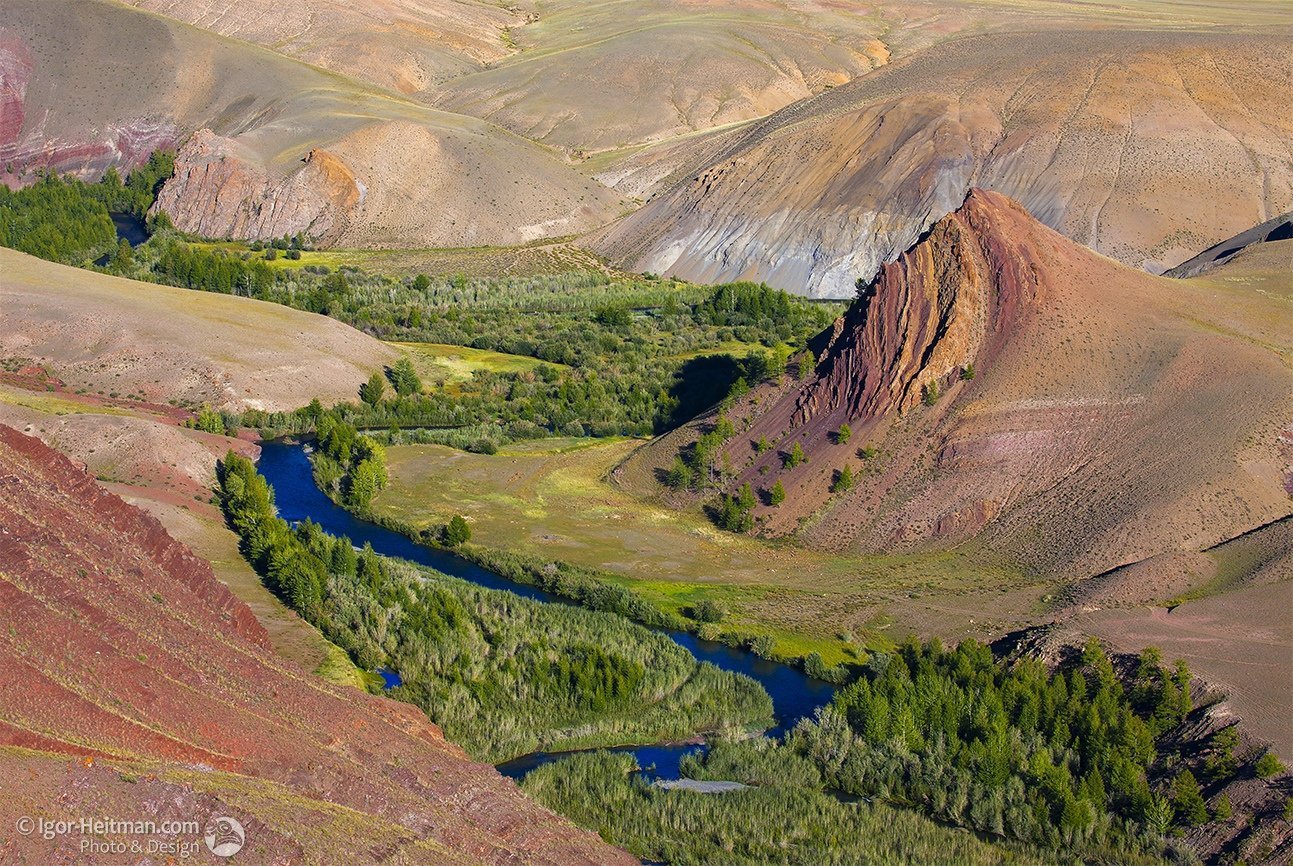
1052,766
56,219
66,220
786,819
1057,759
349,466
501,674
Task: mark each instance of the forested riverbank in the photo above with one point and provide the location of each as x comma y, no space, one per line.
503,675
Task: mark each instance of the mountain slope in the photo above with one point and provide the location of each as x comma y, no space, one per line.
1143,146
136,686
402,45
120,337
1111,415
291,148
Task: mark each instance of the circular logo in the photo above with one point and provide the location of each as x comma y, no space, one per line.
224,836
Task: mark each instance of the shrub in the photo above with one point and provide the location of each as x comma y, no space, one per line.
456,531
1268,765
707,611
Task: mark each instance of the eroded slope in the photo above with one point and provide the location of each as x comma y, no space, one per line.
1143,146
135,685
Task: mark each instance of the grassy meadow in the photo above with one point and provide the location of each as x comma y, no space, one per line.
554,498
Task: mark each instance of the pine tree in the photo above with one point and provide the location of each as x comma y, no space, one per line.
371,391
1188,800
777,494
404,378
456,531
795,457
843,480
844,434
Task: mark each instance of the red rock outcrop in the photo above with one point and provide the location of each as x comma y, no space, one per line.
1081,414
944,304
133,685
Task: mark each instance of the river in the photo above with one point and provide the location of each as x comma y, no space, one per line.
130,228
794,693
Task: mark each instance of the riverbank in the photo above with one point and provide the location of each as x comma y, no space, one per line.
287,469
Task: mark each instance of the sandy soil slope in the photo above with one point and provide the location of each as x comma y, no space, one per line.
120,337
1145,146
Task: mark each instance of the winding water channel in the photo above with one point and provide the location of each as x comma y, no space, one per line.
794,694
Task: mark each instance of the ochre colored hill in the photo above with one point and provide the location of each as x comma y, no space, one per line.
1111,416
120,337
134,685
1145,146
290,148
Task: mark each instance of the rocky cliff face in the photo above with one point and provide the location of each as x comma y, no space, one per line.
134,685
944,305
1140,146
219,191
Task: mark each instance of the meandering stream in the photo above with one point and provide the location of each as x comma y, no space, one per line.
794,693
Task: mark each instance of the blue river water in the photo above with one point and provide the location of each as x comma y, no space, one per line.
795,695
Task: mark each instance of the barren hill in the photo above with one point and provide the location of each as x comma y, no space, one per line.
1145,146
134,685
403,45
290,148
119,337
1084,414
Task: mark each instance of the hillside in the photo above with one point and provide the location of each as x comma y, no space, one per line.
176,710
1144,146
117,337
1110,415
289,148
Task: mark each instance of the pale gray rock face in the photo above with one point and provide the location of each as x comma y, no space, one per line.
1142,148
216,192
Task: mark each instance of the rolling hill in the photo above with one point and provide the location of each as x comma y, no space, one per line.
1144,146
1035,402
284,147
116,337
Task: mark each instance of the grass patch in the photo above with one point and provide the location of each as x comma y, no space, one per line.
552,499
51,404
441,363
337,667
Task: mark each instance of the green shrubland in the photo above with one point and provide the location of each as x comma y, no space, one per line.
502,675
